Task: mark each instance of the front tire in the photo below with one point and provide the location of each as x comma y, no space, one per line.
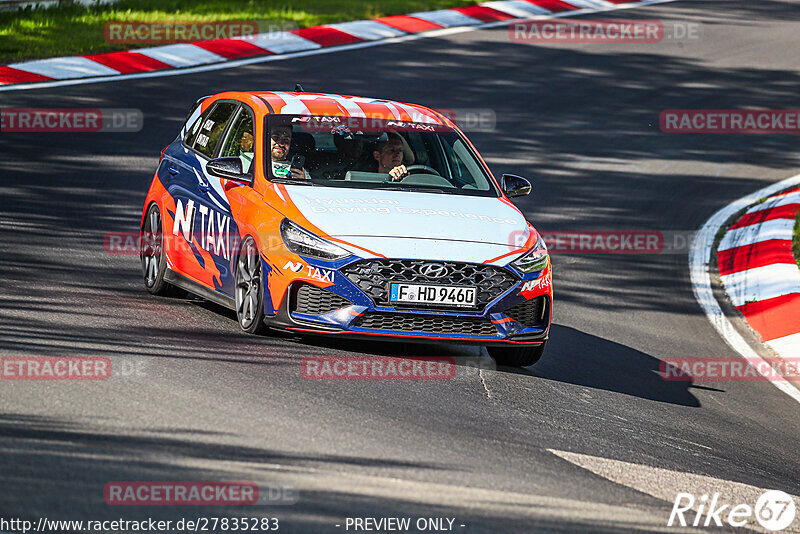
154,256
249,288
517,356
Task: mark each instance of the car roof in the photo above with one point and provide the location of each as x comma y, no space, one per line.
301,103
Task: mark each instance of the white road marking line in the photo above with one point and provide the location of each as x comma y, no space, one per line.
181,55
280,42
589,4
65,67
699,260
369,30
756,233
665,484
446,18
787,346
327,50
781,200
762,283
517,8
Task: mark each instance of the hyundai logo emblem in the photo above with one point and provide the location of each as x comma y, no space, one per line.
433,270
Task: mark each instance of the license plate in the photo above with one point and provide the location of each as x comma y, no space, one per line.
422,294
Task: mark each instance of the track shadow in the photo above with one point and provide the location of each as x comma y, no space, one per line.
56,468
582,359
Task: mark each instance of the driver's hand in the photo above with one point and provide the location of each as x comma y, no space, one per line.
398,173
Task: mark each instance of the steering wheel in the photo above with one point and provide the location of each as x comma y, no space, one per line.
412,168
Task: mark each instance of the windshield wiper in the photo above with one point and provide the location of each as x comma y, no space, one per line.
415,188
292,182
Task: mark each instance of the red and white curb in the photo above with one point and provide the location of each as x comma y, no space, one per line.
760,273
226,53
755,290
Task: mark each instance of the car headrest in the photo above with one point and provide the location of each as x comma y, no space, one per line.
302,143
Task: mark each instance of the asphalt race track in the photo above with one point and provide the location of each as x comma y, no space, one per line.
203,401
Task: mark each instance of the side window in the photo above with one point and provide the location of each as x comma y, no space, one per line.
191,120
240,141
205,133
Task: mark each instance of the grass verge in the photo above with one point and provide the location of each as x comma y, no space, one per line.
75,30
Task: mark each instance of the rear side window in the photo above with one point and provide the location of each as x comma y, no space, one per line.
207,130
240,141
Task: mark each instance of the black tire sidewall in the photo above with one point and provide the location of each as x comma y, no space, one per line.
159,287
257,326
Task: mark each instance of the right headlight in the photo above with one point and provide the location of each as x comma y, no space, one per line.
533,260
302,242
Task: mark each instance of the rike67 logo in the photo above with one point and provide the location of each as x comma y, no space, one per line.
774,510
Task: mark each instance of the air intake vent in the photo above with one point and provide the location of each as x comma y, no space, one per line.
529,313
312,300
427,324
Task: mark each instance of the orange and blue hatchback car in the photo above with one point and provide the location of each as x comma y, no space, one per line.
346,216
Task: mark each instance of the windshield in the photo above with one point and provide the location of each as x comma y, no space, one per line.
373,154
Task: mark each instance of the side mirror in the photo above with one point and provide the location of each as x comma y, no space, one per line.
515,186
229,168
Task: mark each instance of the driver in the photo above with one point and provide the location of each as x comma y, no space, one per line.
280,143
389,155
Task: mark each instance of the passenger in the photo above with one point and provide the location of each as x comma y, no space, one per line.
246,153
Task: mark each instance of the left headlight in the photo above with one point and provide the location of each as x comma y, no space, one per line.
533,260
303,242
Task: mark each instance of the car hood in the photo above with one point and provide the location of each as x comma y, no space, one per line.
414,224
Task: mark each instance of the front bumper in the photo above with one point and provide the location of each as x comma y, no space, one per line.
510,317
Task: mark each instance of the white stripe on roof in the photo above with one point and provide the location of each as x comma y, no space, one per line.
65,67
181,55
417,115
393,109
369,30
294,106
352,108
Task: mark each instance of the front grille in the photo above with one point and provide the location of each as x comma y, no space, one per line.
373,277
315,301
429,324
529,313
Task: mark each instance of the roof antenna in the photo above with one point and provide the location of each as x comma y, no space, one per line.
298,88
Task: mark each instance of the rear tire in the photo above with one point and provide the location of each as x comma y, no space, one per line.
249,291
154,256
517,356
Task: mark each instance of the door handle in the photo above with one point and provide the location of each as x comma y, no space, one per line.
173,171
